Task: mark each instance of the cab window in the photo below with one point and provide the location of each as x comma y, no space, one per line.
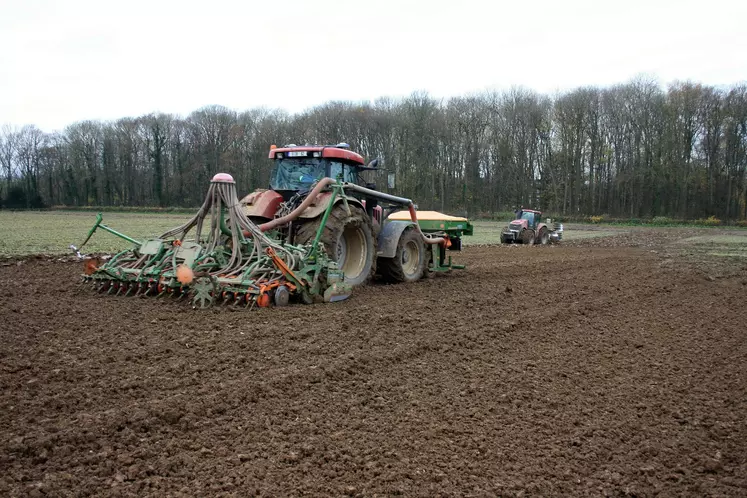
345,172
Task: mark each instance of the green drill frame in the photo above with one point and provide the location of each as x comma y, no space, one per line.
318,278
228,265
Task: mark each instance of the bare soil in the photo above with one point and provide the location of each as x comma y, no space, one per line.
590,368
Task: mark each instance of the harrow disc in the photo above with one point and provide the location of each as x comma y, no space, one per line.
282,296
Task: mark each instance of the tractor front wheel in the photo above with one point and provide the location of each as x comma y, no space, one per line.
527,236
408,263
348,240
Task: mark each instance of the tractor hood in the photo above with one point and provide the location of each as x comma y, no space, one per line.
519,221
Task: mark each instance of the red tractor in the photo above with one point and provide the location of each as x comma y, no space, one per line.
527,228
314,186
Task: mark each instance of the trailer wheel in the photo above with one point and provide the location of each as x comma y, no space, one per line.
544,236
408,264
347,239
527,236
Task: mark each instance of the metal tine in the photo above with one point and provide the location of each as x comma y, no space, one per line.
120,288
238,299
130,287
139,289
114,286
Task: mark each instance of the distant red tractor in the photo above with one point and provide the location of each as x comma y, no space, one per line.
528,229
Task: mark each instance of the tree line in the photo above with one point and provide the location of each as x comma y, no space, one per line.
633,150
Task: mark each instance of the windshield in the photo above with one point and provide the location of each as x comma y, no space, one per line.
296,174
528,215
300,174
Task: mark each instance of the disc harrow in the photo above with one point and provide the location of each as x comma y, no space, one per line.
219,257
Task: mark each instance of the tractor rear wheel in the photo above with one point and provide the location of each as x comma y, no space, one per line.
409,261
347,239
527,236
544,236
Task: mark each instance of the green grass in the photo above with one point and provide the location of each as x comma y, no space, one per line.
732,245
51,232
740,239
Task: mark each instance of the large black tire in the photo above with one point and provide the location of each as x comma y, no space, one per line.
544,236
527,236
409,261
347,239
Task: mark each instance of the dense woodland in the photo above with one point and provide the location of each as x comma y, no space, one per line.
635,150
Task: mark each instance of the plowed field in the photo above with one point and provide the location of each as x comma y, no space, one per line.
590,368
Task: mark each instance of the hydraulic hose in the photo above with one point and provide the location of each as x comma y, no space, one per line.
397,200
323,183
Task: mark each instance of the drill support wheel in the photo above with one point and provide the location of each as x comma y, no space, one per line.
205,289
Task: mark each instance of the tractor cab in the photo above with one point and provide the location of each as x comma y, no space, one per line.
298,168
530,216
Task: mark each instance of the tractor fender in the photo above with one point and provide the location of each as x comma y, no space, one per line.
319,205
389,238
261,203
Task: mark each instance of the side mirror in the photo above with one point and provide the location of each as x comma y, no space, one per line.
390,180
373,164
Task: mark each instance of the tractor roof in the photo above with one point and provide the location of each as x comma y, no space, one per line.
531,211
327,151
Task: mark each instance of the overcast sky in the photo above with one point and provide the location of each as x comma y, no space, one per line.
69,60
